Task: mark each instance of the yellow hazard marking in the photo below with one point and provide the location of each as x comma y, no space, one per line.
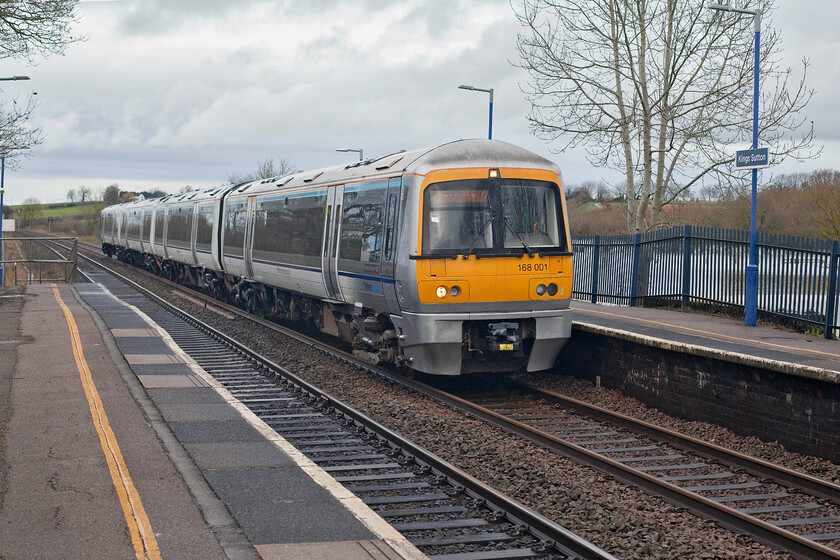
713,335
142,536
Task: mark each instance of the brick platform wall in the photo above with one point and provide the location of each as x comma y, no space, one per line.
800,413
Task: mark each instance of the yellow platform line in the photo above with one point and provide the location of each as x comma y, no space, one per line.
713,335
142,537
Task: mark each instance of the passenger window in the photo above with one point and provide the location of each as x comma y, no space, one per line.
361,225
291,225
180,227
159,216
204,228
234,228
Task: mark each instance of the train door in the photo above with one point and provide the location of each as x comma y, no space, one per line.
329,257
251,213
145,231
164,235
193,233
121,230
389,242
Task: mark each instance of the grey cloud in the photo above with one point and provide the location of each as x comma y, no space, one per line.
160,17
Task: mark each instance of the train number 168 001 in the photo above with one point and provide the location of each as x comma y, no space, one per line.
536,267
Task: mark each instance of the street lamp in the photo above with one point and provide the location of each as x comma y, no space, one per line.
751,292
2,174
2,190
490,91
2,251
360,151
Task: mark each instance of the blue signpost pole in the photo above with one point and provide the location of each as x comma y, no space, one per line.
751,291
751,288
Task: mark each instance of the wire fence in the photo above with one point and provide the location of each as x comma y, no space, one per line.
705,267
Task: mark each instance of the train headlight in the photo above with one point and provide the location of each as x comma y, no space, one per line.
455,291
541,289
442,292
552,289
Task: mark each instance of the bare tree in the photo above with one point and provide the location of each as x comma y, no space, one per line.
91,217
71,194
658,89
266,169
30,210
156,193
29,28
84,193
111,194
15,132
824,190
709,193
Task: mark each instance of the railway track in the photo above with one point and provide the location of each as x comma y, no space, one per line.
787,510
443,511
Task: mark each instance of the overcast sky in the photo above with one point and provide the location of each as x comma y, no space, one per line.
168,93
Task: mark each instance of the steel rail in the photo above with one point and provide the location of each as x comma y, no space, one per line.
758,467
552,534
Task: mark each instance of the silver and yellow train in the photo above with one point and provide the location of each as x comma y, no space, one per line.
448,260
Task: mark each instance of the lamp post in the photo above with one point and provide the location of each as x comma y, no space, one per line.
2,248
490,91
360,151
2,176
751,292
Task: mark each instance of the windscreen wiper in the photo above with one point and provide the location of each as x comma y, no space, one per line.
466,255
516,233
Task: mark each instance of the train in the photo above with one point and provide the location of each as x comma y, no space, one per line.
447,261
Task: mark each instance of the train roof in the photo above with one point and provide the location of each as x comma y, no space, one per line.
192,196
459,153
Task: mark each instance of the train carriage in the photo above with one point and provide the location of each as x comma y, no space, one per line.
134,233
186,228
448,260
108,225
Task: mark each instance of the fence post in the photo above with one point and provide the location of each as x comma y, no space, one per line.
686,266
73,258
831,296
634,279
595,257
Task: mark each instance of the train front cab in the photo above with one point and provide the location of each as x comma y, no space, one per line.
493,272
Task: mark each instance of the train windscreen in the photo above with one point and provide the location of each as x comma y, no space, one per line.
492,216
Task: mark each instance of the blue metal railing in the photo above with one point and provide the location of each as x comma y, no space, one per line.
694,266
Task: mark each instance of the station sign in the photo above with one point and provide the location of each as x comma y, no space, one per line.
752,159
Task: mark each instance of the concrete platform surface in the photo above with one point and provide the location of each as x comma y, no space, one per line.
98,460
717,336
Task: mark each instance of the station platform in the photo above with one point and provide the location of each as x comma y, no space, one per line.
103,456
716,336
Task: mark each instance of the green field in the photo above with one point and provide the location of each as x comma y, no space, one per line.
62,210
